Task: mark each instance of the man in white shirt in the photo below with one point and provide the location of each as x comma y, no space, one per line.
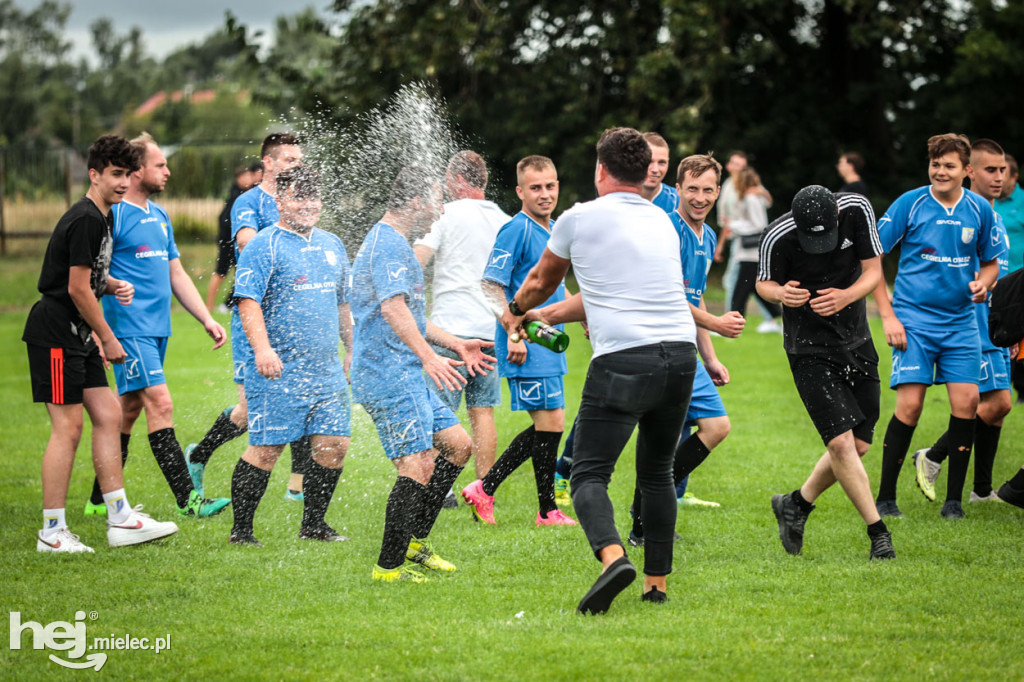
460,243
625,255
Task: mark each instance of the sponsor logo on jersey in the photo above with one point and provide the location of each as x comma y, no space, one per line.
499,259
947,222
846,243
243,277
967,235
332,258
930,254
396,270
245,214
145,251
255,422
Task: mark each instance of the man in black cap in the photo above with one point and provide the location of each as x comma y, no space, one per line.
820,261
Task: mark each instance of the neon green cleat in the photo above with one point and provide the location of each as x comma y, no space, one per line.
404,573
201,507
691,500
563,498
420,552
927,473
95,509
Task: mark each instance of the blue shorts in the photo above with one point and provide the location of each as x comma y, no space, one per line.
143,365
536,394
241,351
704,401
279,414
483,390
407,420
937,358
995,371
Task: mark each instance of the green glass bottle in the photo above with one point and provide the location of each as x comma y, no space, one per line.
546,335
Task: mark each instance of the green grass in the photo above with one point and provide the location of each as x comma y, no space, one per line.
947,608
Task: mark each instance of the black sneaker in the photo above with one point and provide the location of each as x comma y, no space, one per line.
635,540
888,508
655,596
952,509
243,538
791,520
1007,493
881,546
322,532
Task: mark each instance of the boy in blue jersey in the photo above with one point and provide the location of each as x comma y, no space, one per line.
945,231
535,374
293,301
987,171
392,362
145,254
654,188
699,182
252,211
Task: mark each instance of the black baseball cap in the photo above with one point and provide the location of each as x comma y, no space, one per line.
816,215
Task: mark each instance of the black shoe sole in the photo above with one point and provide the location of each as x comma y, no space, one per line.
608,586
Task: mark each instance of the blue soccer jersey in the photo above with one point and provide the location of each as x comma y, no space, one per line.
697,254
256,209
517,248
940,249
981,311
385,267
667,199
299,283
143,249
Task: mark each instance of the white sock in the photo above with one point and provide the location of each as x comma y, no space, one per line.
53,521
118,510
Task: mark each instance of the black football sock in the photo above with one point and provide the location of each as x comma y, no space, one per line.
440,483
961,438
545,454
171,461
986,442
404,505
222,431
877,528
805,506
894,451
97,494
517,452
248,484
318,485
940,451
689,455
302,456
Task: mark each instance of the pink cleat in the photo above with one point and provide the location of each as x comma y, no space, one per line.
482,503
555,518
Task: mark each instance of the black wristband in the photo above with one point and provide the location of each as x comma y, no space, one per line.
515,309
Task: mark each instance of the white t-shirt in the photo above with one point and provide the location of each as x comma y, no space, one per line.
462,240
625,255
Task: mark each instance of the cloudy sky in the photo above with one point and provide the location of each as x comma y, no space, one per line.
169,24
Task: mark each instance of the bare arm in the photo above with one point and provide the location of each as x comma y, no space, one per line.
442,370
542,280
185,291
268,364
569,310
494,294
729,325
987,276
345,332
80,290
895,334
243,237
424,254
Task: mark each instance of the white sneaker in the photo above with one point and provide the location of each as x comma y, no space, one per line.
61,541
138,528
991,497
769,327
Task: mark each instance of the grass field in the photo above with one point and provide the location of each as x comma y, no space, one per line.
948,608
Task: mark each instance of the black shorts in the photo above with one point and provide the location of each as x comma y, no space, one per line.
60,375
225,257
840,390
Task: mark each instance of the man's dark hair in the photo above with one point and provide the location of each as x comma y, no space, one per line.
855,160
413,181
988,146
949,143
275,140
240,170
697,165
256,167
303,181
112,150
625,154
1011,165
471,166
655,140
